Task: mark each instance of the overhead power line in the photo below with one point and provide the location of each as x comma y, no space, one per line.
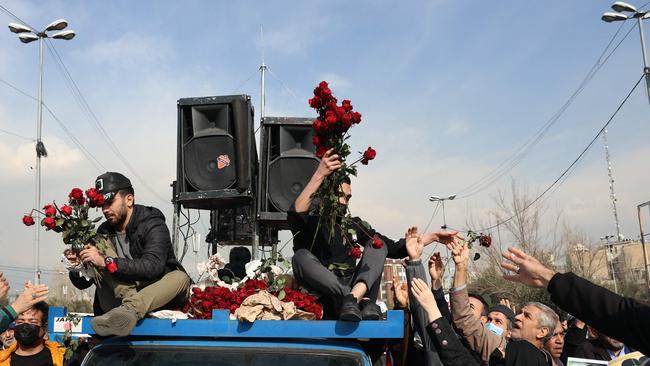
518,155
88,155
14,16
570,168
85,107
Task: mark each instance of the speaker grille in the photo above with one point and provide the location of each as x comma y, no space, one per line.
287,178
210,162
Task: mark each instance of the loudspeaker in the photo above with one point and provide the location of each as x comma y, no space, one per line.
217,158
288,162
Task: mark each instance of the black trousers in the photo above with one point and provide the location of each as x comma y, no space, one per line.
311,273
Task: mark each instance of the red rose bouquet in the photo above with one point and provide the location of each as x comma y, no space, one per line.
331,131
72,221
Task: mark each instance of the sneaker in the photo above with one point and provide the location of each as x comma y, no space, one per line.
117,322
350,309
370,310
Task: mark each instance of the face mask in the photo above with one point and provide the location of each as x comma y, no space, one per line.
27,334
494,329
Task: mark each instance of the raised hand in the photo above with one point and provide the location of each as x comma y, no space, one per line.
528,270
506,303
414,244
441,236
31,295
4,286
424,296
401,292
436,269
459,251
328,164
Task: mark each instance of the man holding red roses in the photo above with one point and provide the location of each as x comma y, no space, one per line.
140,270
328,263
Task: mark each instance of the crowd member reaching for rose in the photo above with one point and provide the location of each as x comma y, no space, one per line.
31,295
622,318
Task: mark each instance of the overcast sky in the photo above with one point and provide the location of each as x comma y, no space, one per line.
448,90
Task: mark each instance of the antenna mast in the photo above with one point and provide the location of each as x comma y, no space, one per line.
612,195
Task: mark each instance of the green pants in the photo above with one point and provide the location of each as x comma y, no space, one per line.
173,288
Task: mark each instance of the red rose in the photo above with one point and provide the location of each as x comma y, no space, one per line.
325,93
98,200
320,152
76,194
346,121
28,220
49,223
340,111
356,117
111,267
318,125
485,240
377,243
346,104
355,252
49,210
330,117
315,102
66,210
315,140
368,155
91,193
323,84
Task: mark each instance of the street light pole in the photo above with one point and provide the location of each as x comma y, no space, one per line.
622,7
643,245
27,35
646,70
442,201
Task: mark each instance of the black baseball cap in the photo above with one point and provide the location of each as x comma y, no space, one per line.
505,311
110,183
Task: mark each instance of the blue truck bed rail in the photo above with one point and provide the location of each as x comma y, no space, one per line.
221,326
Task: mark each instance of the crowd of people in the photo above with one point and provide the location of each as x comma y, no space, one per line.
143,275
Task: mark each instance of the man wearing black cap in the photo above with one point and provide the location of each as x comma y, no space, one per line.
142,272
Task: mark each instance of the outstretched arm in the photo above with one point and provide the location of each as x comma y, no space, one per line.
450,350
622,318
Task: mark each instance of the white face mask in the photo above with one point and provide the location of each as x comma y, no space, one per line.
494,329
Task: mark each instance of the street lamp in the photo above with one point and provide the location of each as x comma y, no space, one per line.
27,35
610,259
442,201
622,7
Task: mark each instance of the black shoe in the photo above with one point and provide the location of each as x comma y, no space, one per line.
350,309
370,310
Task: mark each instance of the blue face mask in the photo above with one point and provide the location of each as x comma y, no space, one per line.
494,329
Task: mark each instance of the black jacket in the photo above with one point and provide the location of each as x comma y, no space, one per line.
335,249
524,353
593,351
573,342
150,247
450,350
624,319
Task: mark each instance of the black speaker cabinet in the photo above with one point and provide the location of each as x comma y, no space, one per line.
288,162
217,158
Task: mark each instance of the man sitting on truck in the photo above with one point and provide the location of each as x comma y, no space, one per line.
322,263
143,272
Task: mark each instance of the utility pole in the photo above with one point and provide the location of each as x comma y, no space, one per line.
643,244
610,260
